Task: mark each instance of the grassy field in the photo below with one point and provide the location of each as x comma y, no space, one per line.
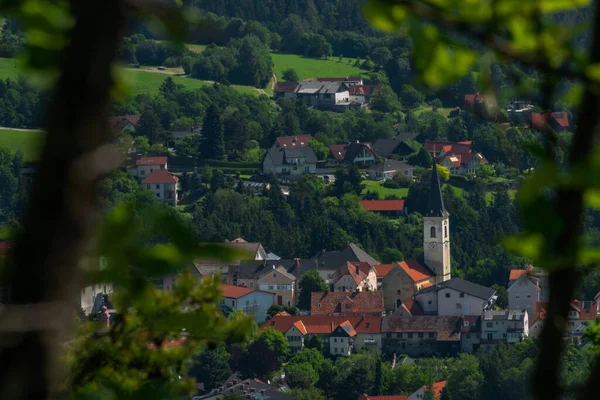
196,48
442,110
383,191
29,142
314,68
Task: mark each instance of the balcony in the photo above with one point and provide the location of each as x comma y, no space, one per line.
371,341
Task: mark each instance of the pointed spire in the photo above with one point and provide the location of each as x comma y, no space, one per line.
435,205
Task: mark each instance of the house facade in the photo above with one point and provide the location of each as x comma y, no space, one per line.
504,326
387,169
355,277
455,297
354,153
290,142
125,122
164,185
144,166
346,303
267,276
290,163
251,301
341,340
403,280
458,157
423,392
527,287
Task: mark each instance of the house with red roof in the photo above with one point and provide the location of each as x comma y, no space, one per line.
360,332
144,166
353,153
361,94
389,208
381,270
558,121
436,391
474,99
355,276
526,287
125,122
292,142
164,185
458,157
251,301
403,280
346,303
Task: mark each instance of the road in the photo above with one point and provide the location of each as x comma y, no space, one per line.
6,128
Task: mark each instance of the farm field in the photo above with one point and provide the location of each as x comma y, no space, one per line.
29,142
383,191
196,48
313,68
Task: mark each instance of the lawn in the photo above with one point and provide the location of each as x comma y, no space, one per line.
196,48
383,191
442,110
29,142
314,68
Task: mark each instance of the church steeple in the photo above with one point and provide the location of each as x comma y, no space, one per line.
435,205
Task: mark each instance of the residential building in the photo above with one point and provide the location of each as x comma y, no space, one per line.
236,387
526,287
388,168
292,142
470,333
251,301
558,121
381,271
355,277
341,340
325,95
421,336
536,322
505,326
125,122
254,250
348,80
266,276
297,329
328,262
144,166
458,157
403,280
472,100
164,185
361,94
401,146
346,303
455,297
388,208
365,396
423,391
290,162
353,153
408,308
581,315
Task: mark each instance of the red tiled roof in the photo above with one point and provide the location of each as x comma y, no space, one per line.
5,248
392,397
382,205
121,121
412,307
349,151
285,87
365,90
347,326
415,270
248,247
283,314
472,98
436,388
516,274
160,176
356,270
382,270
291,142
346,79
426,285
301,328
235,292
338,151
538,120
160,160
460,150
445,328
344,302
324,324
588,310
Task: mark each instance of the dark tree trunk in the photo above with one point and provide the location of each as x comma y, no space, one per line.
43,274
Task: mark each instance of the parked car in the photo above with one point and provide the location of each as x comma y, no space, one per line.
161,68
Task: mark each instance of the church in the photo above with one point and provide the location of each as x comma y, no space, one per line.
421,283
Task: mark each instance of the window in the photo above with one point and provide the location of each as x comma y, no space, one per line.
318,305
458,306
410,335
431,335
158,186
490,336
528,296
270,287
335,349
462,295
334,340
151,169
233,303
468,336
447,295
157,194
420,334
341,340
251,284
306,169
247,303
142,172
295,168
517,296
429,302
489,324
445,231
148,186
274,275
504,335
432,232
388,335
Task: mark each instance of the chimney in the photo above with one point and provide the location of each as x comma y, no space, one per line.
297,262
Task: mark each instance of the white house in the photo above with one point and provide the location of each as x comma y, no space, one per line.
387,169
436,391
163,184
290,162
455,297
458,157
251,301
526,287
504,327
146,165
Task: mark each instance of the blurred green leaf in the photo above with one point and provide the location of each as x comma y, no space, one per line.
527,245
385,16
589,256
592,198
544,176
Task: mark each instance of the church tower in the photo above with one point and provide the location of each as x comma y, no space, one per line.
436,231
